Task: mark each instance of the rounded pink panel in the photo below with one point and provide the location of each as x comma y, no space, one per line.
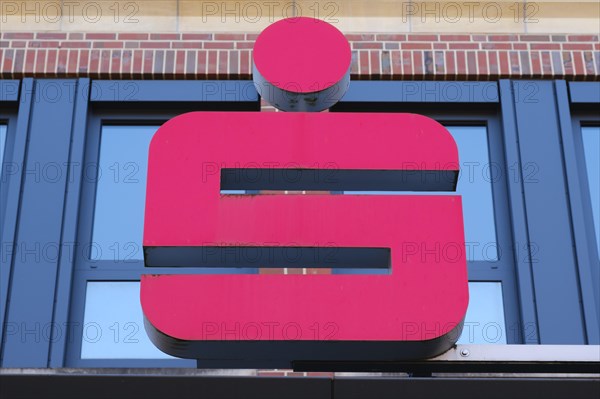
301,64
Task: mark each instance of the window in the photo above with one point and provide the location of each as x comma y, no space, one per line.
591,148
113,323
121,192
2,144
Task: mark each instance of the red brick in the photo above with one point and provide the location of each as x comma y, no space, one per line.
375,63
455,38
101,36
567,63
440,46
367,45
354,63
364,63
40,62
201,63
229,36
223,63
504,65
472,63
6,44
536,64
391,38
8,61
479,38
534,38
17,35
497,46
577,46
114,44
544,46
218,45
18,44
94,62
251,36
73,62
464,46
482,63
138,62
244,45
197,36
29,61
450,63
180,63
245,62
546,63
360,37
126,63
416,46
418,63
51,36
164,36
502,38
514,62
105,61
75,36
148,61
18,62
578,63
212,63
588,60
233,63
133,36
519,46
461,63
43,44
83,62
171,63
132,44
51,62
422,38
407,63
583,38
74,44
559,38
155,44
190,45
61,65
493,66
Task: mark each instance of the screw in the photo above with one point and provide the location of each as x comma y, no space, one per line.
464,352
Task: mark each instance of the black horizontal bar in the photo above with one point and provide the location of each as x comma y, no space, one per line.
339,179
268,257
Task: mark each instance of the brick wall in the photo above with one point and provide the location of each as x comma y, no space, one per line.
228,56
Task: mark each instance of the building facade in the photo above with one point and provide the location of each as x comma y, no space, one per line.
85,85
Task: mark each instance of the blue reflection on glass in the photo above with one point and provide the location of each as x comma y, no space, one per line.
113,323
121,192
591,148
2,144
484,322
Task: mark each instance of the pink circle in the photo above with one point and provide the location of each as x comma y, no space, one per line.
302,55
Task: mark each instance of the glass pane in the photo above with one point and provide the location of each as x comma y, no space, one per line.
484,322
591,148
475,186
2,144
121,192
113,323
